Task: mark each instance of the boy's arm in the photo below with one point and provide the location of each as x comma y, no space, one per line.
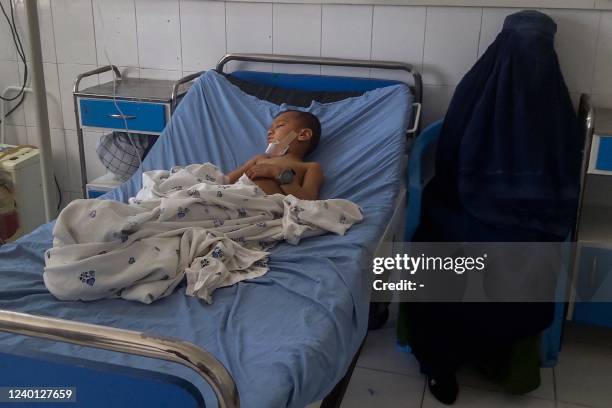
309,190
236,174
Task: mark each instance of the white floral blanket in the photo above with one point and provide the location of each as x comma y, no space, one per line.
183,223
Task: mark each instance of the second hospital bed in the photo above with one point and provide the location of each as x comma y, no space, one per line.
286,338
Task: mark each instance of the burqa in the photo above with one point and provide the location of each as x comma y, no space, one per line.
507,170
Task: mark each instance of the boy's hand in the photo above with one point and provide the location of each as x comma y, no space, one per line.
269,171
253,160
237,173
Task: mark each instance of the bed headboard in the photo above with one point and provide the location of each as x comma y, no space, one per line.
416,88
362,84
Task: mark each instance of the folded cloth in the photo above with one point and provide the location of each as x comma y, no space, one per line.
121,152
182,223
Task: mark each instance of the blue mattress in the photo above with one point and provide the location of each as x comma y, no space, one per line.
287,337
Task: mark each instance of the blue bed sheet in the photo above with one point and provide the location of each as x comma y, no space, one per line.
287,337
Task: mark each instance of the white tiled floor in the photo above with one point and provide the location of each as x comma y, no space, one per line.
373,388
386,377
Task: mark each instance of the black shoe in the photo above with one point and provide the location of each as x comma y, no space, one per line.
444,388
379,314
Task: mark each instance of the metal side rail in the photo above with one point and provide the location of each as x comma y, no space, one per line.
177,85
130,342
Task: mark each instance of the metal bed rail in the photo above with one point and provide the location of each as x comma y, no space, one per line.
586,116
130,342
417,88
177,85
337,62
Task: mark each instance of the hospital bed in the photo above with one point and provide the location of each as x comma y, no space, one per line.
288,338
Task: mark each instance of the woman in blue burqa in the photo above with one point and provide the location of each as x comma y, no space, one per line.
507,170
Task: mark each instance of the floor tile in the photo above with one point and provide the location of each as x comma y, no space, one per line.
584,375
471,377
380,353
583,333
568,405
371,388
476,398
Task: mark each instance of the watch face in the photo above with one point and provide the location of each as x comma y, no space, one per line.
286,177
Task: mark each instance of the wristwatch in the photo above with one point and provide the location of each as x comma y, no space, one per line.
286,176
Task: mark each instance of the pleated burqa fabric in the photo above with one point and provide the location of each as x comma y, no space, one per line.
507,170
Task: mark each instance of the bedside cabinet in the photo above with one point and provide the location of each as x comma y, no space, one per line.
145,106
593,262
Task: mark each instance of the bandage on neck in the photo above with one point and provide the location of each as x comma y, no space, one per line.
280,147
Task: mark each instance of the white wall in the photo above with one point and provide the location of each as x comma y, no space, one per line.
171,38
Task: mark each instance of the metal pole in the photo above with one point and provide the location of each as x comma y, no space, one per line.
40,102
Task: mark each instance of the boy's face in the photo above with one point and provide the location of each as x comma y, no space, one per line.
283,125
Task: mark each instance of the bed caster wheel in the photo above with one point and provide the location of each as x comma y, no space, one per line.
379,313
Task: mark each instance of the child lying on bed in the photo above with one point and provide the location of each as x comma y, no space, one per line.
288,173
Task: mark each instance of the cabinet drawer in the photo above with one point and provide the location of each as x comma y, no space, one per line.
604,154
140,116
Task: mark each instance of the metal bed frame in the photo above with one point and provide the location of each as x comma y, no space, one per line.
187,354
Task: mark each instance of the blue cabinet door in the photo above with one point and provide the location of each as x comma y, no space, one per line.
604,154
139,116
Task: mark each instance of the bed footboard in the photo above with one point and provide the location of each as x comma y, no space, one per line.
130,342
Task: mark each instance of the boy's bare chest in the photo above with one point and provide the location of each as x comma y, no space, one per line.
281,161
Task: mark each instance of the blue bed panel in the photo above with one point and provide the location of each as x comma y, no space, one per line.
96,386
318,83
